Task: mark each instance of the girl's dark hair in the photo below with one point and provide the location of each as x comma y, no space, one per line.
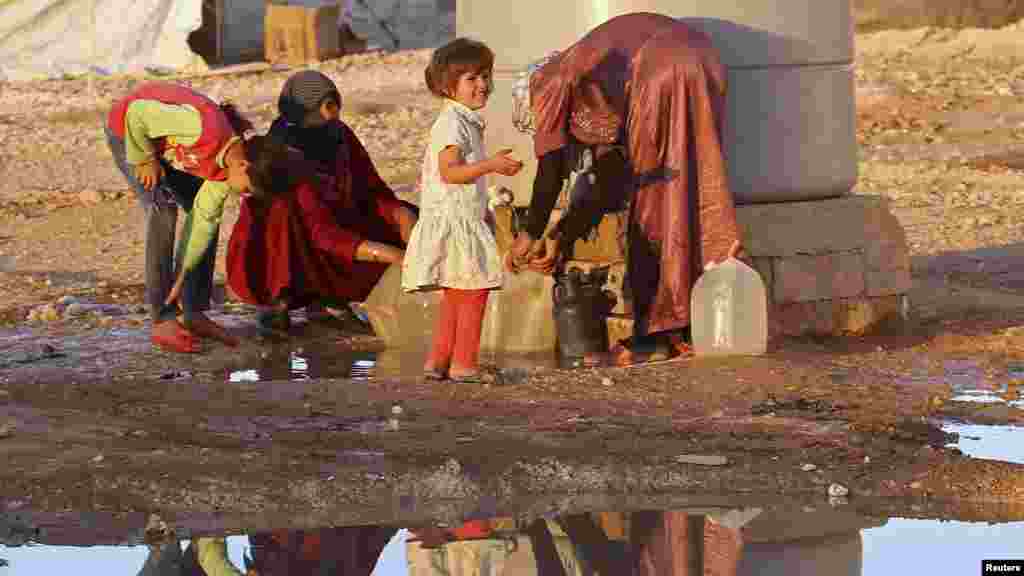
271,168
238,122
453,60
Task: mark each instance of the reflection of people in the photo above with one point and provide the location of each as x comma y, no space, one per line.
352,551
203,557
641,543
356,211
645,95
453,247
177,147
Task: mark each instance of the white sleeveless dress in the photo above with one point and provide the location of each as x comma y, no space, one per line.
453,244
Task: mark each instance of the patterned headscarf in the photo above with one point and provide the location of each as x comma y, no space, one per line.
300,124
302,95
522,111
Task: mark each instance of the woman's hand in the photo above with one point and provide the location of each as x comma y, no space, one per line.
503,163
735,251
149,174
387,254
545,258
519,253
369,251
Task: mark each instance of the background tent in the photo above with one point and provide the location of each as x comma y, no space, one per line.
51,38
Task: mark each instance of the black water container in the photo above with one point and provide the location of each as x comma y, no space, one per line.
580,308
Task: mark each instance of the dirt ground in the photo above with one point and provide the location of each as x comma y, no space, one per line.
92,418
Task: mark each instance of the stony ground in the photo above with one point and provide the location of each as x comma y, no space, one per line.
940,136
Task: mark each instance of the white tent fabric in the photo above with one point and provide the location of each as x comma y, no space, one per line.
52,38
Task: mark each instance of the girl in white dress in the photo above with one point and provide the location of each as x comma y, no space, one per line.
452,247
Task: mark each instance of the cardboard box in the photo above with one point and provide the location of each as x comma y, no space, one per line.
298,35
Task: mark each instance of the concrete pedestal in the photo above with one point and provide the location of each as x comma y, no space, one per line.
831,267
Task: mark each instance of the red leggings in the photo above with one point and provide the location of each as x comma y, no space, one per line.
458,328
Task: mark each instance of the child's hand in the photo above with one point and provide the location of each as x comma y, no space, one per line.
149,174
503,163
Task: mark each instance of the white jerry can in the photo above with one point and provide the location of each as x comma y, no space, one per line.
402,319
729,311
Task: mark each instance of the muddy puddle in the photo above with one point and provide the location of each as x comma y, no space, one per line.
774,539
324,360
312,349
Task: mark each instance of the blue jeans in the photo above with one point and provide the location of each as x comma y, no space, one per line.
160,206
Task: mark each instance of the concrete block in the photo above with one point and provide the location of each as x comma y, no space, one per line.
813,227
861,315
823,277
833,317
884,254
800,318
887,282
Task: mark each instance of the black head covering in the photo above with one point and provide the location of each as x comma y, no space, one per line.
300,124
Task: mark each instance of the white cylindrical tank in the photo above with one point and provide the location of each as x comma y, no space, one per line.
791,120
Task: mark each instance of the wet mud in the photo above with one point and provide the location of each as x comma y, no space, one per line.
326,426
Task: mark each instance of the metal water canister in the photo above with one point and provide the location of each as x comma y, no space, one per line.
790,131
579,307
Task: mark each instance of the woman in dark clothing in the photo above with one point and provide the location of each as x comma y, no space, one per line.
350,209
642,97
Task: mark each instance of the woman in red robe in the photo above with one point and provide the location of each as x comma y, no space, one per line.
643,95
303,238
330,238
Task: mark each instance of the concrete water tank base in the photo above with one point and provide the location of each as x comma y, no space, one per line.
831,267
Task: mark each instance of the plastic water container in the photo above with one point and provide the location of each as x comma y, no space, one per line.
402,320
518,317
729,311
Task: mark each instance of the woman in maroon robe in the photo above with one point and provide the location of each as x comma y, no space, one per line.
644,94
328,242
304,237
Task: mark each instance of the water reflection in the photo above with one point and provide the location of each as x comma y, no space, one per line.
737,542
969,384
327,361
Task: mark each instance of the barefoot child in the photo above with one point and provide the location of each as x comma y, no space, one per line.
452,247
177,147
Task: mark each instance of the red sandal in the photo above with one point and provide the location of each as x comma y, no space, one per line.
180,340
